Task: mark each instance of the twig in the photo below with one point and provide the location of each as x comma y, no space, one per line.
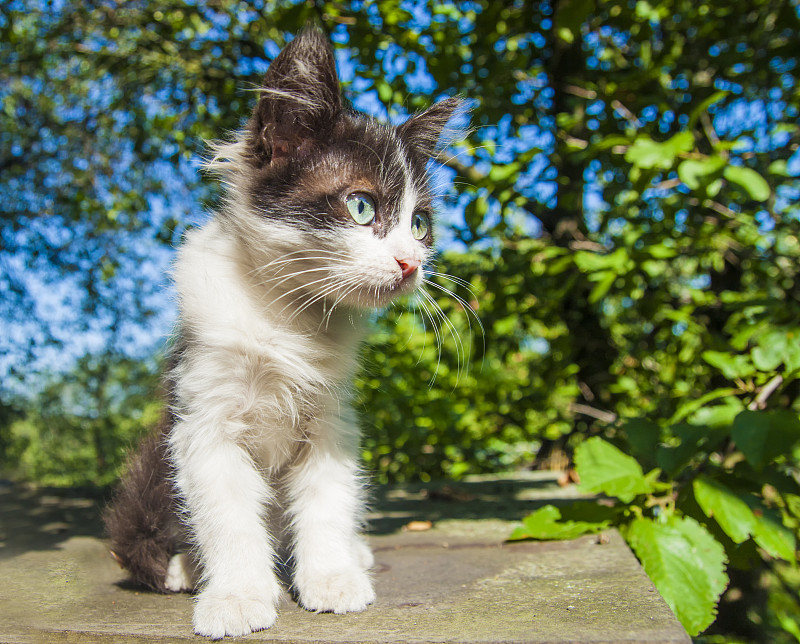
587,245
766,391
599,414
580,91
718,207
668,184
708,126
578,143
623,111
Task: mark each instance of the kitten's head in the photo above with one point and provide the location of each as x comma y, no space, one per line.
333,205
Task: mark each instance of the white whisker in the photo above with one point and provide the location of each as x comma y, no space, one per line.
461,355
461,301
452,278
426,313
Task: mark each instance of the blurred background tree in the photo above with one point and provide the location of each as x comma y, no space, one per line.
624,213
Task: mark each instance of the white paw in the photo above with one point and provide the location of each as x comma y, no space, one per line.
180,574
219,614
342,592
363,553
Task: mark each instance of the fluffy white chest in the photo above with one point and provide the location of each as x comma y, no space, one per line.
249,367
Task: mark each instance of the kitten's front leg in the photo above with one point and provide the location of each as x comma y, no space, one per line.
331,558
225,498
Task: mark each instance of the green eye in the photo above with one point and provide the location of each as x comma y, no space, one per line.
361,208
420,224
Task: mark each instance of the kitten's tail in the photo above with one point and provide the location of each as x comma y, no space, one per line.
141,520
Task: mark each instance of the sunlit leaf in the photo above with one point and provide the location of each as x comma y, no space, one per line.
547,524
732,365
686,564
604,468
765,435
755,185
718,502
699,172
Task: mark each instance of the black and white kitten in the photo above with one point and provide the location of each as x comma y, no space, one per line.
327,213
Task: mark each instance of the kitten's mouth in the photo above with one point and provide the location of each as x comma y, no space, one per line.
402,286
380,295
408,282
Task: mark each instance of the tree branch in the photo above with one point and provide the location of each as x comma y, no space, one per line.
759,402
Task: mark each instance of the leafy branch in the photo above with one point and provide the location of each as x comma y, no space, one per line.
686,519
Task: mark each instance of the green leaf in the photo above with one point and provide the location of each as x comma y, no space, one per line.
567,35
384,91
769,354
779,168
771,535
590,511
546,524
661,251
742,517
504,172
762,436
791,358
714,187
718,416
699,172
609,141
603,286
732,514
792,504
606,469
685,563
690,440
618,261
643,438
691,406
731,365
645,10
766,358
681,142
648,154
755,185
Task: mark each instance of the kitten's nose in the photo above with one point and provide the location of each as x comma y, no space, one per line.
408,266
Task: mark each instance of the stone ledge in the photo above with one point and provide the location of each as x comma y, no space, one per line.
455,582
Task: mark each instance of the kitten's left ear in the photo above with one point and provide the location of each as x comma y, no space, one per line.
428,131
300,100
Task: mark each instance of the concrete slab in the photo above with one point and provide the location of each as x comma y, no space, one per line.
454,582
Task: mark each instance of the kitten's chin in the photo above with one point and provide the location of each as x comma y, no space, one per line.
377,297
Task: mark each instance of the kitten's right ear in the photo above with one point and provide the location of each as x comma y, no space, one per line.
300,100
428,131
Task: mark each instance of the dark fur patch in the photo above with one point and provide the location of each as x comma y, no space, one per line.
361,155
141,521
423,130
308,151
299,102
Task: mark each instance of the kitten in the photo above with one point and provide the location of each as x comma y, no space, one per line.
327,214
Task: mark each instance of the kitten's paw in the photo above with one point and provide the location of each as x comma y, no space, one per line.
180,574
363,553
219,614
342,592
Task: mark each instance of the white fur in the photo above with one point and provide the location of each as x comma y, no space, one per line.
263,399
180,574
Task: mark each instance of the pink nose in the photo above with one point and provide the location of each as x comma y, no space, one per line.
408,266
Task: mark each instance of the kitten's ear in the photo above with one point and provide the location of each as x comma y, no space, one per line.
300,100
428,132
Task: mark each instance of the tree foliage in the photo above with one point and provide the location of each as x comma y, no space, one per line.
623,216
